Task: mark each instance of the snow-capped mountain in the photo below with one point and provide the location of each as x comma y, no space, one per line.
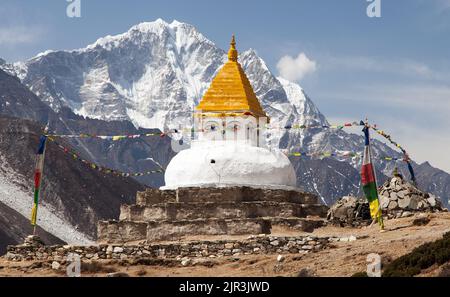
156,72
151,75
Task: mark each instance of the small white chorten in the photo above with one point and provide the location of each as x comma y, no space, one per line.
230,149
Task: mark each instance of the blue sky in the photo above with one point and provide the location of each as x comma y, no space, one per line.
394,69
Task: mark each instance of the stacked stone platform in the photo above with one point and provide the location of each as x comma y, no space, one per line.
253,245
172,214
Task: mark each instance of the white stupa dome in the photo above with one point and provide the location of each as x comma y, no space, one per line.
229,150
227,163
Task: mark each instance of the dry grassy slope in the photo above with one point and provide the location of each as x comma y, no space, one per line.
345,259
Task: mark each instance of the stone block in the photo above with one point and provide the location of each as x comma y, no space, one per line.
197,194
404,203
172,230
392,205
154,196
301,224
432,201
120,232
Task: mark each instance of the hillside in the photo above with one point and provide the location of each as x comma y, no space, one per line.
14,228
74,195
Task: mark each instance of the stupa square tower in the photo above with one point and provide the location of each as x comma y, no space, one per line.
230,147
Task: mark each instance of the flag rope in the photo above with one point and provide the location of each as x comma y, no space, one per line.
396,144
177,131
99,168
356,155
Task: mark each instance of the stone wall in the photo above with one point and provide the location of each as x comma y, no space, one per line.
254,245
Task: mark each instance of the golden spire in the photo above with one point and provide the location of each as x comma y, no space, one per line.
232,52
230,91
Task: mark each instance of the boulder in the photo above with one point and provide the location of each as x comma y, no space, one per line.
406,214
432,200
56,265
404,203
392,205
393,196
414,203
384,201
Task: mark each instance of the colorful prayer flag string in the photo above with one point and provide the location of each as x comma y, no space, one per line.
388,137
325,154
107,137
99,168
405,154
314,126
176,131
339,155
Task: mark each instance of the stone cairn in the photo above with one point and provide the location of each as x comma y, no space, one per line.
398,198
167,215
349,211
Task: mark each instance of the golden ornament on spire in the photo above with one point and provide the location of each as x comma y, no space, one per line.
232,52
230,90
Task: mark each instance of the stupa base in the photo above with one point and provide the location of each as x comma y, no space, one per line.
165,215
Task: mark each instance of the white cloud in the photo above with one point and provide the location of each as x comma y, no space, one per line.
16,35
294,69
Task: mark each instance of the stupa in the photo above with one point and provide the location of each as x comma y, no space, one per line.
227,183
229,149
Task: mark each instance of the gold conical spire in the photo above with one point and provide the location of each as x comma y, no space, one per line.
232,52
230,90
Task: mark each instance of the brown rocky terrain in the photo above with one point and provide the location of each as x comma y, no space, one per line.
342,258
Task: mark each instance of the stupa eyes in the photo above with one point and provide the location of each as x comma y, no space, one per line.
211,127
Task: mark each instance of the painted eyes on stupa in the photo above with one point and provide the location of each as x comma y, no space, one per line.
211,128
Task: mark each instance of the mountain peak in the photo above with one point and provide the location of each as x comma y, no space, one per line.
150,26
177,31
250,53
